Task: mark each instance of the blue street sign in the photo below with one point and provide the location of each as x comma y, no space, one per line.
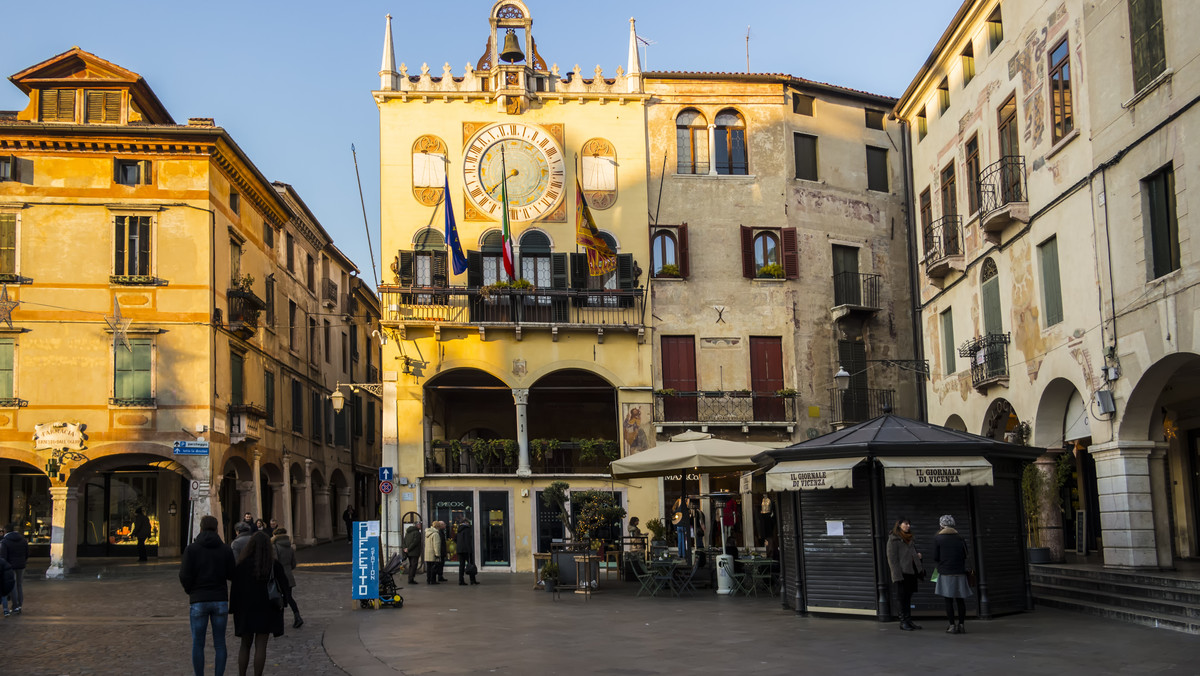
190,447
365,582
385,473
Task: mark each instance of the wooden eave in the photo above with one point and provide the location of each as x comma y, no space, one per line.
76,68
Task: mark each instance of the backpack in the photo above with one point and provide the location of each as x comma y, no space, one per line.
8,578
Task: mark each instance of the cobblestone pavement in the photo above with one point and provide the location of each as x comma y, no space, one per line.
127,618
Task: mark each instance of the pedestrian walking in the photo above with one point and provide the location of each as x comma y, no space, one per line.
248,519
255,617
412,550
205,572
950,555
241,535
348,517
285,552
464,546
433,552
904,561
15,550
141,531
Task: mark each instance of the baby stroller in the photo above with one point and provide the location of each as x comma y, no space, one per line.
388,594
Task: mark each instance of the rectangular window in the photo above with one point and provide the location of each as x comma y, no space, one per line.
328,343
8,348
131,172
877,169
995,30
874,119
1149,50
8,246
922,126
291,253
293,325
949,191
943,96
103,107
1051,283
57,105
968,63
371,422
268,234
340,437
235,202
806,156
237,381
269,300
926,209
317,414
310,273
313,343
353,343
8,168
132,246
1158,210
802,104
269,396
949,351
1062,121
297,407
356,423
132,373
973,174
345,352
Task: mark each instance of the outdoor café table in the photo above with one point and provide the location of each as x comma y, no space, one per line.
667,570
754,566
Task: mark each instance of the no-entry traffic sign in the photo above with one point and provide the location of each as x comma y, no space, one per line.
385,487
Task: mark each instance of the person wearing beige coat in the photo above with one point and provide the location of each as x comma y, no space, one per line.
434,556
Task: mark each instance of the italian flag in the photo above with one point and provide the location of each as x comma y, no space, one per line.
505,233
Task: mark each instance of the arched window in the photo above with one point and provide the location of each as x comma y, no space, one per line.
691,140
429,240
766,251
730,140
430,263
664,251
535,258
491,253
607,280
989,291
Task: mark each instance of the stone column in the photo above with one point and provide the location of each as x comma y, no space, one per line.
258,503
341,501
63,531
1126,506
322,526
521,399
712,149
306,506
246,491
1159,493
1050,516
287,520
279,502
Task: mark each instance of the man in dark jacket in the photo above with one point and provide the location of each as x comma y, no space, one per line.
15,551
205,573
413,539
141,531
464,546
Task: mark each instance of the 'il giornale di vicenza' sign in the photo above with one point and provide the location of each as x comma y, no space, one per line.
960,471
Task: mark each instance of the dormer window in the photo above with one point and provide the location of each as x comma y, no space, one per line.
103,106
57,105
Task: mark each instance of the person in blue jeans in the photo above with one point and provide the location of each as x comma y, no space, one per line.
205,572
683,526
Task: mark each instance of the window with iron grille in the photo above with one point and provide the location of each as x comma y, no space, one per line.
1149,49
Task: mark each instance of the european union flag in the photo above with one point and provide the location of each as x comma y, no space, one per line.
457,258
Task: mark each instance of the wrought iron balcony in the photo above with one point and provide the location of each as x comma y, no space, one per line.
447,306
989,358
721,407
1003,195
132,402
567,458
943,246
244,309
858,404
856,293
329,294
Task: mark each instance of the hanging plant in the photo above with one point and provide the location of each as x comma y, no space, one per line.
540,448
594,449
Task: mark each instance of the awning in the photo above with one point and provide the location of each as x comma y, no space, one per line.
969,470
808,475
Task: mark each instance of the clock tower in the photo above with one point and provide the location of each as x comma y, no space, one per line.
494,385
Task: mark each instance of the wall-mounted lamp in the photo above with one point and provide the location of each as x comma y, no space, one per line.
172,509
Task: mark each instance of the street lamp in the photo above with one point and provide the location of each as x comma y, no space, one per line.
339,400
919,366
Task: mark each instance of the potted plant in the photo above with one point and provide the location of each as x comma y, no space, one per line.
549,575
1042,491
786,392
669,270
771,271
658,532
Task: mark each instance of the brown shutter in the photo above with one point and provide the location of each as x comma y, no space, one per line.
95,107
119,246
748,270
684,266
438,267
791,254
66,105
112,107
406,268
144,172
47,104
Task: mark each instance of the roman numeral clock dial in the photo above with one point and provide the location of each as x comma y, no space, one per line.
536,171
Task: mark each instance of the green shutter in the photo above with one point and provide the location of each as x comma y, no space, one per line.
7,346
949,352
1051,283
992,321
119,246
8,244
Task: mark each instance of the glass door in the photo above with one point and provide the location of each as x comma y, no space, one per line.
451,507
492,528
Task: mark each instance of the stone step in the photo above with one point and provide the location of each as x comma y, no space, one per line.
1150,578
1187,610
1148,619
1157,592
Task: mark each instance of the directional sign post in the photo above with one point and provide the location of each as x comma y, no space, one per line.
190,447
386,473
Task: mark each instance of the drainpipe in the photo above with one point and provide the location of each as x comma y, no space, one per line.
914,284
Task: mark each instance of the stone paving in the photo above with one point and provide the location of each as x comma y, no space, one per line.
117,617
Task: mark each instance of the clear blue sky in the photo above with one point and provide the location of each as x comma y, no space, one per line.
292,81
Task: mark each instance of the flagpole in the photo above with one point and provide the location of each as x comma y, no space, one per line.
577,206
508,246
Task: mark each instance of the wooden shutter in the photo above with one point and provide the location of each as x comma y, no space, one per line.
95,107
625,278
1051,285
112,107
145,177
119,246
992,322
681,254
579,271
748,270
474,269
48,104
405,270
8,244
558,270
791,254
57,105
438,268
143,261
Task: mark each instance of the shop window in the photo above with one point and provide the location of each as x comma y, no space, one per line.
669,252
131,172
730,135
30,506
102,107
770,253
133,379
1149,49
802,104
56,105
1162,227
949,350
874,119
691,143
1052,305
877,169
805,148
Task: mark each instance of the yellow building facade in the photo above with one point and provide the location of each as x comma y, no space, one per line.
173,323
499,390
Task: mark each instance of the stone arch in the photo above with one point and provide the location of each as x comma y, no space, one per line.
322,525
271,484
1048,421
339,500
955,422
999,419
1142,417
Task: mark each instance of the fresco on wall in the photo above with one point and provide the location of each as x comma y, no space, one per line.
635,428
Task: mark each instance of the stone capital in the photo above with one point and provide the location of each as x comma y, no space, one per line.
520,396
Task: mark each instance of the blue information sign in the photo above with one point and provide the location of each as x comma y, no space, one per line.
365,575
190,447
385,473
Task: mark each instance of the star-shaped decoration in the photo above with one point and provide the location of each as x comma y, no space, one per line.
7,306
119,326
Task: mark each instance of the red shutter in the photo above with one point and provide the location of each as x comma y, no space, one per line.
791,254
748,270
684,267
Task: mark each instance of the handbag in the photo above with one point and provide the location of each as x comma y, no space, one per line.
922,574
274,594
471,569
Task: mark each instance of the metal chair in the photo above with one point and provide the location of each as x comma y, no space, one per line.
738,579
684,581
644,576
763,576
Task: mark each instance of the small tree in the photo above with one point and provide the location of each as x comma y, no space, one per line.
556,494
596,509
1040,488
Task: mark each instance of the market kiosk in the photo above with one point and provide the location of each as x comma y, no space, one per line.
838,496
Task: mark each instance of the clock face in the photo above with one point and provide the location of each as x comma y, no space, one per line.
528,159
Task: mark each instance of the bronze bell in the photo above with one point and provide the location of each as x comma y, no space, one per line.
512,50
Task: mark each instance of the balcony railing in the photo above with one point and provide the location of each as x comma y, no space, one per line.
1002,189
140,402
715,407
859,404
244,309
700,168
459,305
943,240
857,289
567,458
329,294
989,358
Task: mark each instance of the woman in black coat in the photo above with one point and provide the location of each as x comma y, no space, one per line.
255,617
464,545
950,554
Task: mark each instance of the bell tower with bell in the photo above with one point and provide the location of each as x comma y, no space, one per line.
515,69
